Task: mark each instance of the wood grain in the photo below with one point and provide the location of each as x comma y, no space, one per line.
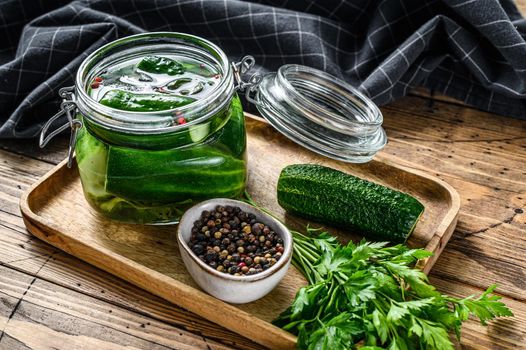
147,256
49,317
505,333
475,264
483,157
468,264
466,261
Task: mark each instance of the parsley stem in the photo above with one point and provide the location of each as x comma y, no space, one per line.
305,253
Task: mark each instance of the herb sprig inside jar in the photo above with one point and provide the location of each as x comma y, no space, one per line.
235,242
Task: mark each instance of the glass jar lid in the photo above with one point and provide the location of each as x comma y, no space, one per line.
321,112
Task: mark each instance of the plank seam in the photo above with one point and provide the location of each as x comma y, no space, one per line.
14,229
412,138
100,324
10,213
18,153
509,220
207,345
430,116
448,279
438,100
8,263
17,305
115,303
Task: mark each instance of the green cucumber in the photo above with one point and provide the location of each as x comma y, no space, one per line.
92,159
199,132
129,101
161,65
174,175
332,197
176,84
233,133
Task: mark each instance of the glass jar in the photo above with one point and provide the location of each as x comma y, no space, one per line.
142,167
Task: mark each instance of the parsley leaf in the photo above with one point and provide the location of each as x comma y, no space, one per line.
371,294
337,333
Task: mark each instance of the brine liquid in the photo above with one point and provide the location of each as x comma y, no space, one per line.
196,81
147,186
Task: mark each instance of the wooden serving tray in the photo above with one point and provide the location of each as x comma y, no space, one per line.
54,210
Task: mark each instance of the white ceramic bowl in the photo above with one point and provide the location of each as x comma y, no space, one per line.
232,289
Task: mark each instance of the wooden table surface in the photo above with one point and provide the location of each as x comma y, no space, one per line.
50,300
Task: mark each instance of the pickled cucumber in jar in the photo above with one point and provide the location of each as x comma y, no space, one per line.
154,185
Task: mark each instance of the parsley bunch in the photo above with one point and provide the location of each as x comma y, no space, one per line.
371,295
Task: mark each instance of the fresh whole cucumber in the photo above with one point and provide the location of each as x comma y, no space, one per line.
332,197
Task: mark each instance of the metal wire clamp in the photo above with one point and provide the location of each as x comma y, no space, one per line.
249,87
67,107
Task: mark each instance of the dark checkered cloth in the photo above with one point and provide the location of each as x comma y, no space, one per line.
473,50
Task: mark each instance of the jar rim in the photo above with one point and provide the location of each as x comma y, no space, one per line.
322,113
129,121
370,110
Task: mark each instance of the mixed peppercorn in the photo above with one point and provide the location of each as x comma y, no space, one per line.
96,82
179,119
235,242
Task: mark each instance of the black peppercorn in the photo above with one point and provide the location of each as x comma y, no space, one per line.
232,241
257,228
198,249
211,255
233,269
